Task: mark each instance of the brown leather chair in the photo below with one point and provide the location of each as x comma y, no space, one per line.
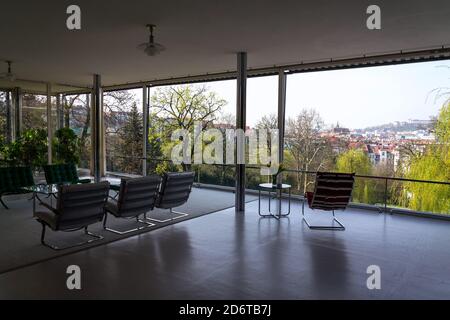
136,196
333,191
77,207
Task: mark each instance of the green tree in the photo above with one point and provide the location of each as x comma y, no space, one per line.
130,145
181,107
30,149
66,146
356,161
434,165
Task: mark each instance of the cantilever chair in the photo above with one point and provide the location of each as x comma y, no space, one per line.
15,180
333,191
78,206
63,174
174,192
136,197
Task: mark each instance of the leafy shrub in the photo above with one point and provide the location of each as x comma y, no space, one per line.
66,146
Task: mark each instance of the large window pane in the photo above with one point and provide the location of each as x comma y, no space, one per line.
262,116
34,111
124,131
3,115
387,121
77,116
211,105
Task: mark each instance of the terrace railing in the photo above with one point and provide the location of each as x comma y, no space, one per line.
387,194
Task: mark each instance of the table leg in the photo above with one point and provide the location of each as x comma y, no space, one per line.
277,214
279,203
259,201
34,203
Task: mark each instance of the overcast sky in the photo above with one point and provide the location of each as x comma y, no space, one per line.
356,98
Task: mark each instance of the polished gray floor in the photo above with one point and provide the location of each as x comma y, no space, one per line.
235,256
20,233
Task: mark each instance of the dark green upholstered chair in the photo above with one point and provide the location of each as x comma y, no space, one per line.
13,180
63,174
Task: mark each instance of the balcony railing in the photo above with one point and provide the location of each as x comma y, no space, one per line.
386,194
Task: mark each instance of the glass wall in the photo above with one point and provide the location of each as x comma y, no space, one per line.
213,105
123,120
4,105
34,111
4,98
388,121
76,115
209,105
262,116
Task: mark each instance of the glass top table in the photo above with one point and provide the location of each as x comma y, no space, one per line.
49,190
278,190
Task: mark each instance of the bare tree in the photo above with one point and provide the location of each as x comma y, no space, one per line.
303,141
268,122
228,119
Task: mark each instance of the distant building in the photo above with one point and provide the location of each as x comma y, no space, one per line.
381,154
340,131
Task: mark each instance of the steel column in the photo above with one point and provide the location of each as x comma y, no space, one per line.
97,114
17,101
145,98
8,117
49,123
281,117
241,96
59,112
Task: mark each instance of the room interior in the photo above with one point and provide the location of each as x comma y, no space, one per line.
221,248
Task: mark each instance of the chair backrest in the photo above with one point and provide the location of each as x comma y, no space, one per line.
61,173
81,204
175,189
137,196
333,191
14,178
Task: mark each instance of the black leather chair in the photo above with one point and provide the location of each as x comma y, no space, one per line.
78,206
136,196
333,191
174,192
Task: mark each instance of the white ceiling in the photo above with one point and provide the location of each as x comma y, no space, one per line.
202,36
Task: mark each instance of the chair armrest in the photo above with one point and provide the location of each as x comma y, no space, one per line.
48,207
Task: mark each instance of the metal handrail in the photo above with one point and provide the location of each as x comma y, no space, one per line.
294,170
382,178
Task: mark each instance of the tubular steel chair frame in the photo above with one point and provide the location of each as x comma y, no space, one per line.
123,204
320,199
57,215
